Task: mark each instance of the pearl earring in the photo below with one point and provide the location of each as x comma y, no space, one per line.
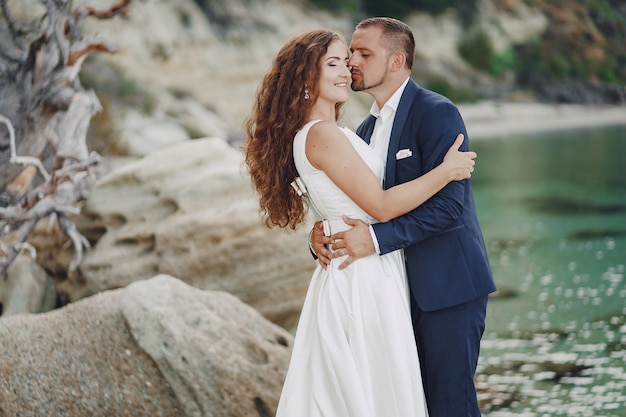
306,93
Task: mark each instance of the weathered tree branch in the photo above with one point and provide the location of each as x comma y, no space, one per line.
11,24
22,160
85,47
44,106
119,8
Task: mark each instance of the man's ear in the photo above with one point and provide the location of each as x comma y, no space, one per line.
398,61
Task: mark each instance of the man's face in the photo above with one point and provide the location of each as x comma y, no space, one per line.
369,59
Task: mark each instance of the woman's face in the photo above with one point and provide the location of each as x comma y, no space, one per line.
335,74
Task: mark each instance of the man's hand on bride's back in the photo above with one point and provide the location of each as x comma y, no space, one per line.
319,244
460,164
355,242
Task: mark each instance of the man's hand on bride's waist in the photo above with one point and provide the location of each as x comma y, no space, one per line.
355,242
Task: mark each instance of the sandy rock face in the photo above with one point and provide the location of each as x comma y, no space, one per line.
26,288
156,348
190,211
214,51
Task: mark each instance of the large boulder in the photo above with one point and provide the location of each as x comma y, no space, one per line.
190,211
155,348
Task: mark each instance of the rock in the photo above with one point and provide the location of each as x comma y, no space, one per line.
585,92
516,23
27,288
560,370
189,211
142,135
215,52
156,348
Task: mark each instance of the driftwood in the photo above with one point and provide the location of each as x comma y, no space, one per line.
46,169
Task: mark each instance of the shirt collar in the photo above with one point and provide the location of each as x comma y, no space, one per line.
391,105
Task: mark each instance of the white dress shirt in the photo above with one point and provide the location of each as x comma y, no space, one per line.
382,132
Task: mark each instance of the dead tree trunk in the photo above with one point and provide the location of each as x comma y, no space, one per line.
44,108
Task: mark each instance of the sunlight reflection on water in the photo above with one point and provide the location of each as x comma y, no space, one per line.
555,227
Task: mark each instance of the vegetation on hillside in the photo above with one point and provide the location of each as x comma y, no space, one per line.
585,44
581,57
397,8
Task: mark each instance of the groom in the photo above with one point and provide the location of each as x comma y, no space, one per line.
446,260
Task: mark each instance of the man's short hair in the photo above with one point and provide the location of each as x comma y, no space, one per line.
398,35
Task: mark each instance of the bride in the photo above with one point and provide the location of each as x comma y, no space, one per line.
354,353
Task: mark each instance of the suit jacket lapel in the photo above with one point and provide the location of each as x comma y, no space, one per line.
366,129
399,120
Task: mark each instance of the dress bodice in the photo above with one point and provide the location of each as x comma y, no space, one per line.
328,199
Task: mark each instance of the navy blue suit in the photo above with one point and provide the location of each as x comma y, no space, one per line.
446,259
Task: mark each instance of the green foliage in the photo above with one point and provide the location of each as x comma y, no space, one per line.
476,48
610,19
558,56
399,8
578,67
603,8
503,62
608,74
528,61
557,67
537,60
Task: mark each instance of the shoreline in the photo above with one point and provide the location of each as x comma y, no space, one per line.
490,119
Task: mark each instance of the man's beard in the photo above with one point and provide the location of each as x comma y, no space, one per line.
361,86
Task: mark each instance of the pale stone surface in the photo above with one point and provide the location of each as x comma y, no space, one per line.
219,61
156,348
26,288
141,135
517,24
189,210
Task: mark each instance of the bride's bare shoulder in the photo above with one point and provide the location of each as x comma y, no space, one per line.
323,131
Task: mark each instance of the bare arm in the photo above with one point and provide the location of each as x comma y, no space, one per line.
328,149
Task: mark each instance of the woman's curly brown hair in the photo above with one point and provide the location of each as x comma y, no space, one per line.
279,111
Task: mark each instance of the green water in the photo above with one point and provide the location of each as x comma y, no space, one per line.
553,212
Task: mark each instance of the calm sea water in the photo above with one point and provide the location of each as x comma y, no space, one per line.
553,212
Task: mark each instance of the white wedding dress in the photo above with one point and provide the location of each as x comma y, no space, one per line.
354,353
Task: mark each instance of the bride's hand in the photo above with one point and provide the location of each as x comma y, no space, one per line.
460,164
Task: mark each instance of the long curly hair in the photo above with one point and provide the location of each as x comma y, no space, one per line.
279,111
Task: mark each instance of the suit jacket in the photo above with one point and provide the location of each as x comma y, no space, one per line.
445,253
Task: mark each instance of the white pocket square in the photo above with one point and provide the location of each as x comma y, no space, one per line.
403,153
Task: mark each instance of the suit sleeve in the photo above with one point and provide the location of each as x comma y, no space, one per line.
438,128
